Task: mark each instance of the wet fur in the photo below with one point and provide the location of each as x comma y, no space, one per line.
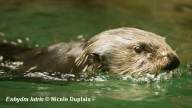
111,51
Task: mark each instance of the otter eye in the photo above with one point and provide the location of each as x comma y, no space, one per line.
138,49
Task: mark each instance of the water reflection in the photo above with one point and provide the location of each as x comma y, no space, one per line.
120,90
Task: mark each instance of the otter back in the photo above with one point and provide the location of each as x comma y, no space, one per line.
59,57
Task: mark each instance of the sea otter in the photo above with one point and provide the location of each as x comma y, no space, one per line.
123,51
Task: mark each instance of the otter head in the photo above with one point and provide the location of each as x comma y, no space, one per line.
127,51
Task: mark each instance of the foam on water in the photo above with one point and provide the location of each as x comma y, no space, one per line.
10,69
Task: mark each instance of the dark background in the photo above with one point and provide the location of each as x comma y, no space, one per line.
51,21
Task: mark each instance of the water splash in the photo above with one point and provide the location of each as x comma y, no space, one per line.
11,70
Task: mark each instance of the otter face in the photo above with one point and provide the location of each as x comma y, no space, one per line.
128,51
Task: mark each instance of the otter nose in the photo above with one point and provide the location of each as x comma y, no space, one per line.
173,62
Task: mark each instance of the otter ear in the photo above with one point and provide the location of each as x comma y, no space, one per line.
94,58
93,62
89,62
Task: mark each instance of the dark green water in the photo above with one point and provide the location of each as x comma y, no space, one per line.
47,22
123,94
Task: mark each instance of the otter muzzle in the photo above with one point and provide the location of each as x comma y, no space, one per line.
173,62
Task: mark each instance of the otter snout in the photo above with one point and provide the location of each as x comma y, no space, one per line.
173,62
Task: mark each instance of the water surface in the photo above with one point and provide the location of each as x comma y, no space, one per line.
50,21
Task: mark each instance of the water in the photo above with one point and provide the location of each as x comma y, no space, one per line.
112,93
46,22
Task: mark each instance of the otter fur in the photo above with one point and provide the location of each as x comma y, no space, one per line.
123,51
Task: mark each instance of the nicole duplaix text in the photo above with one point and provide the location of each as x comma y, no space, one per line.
50,99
